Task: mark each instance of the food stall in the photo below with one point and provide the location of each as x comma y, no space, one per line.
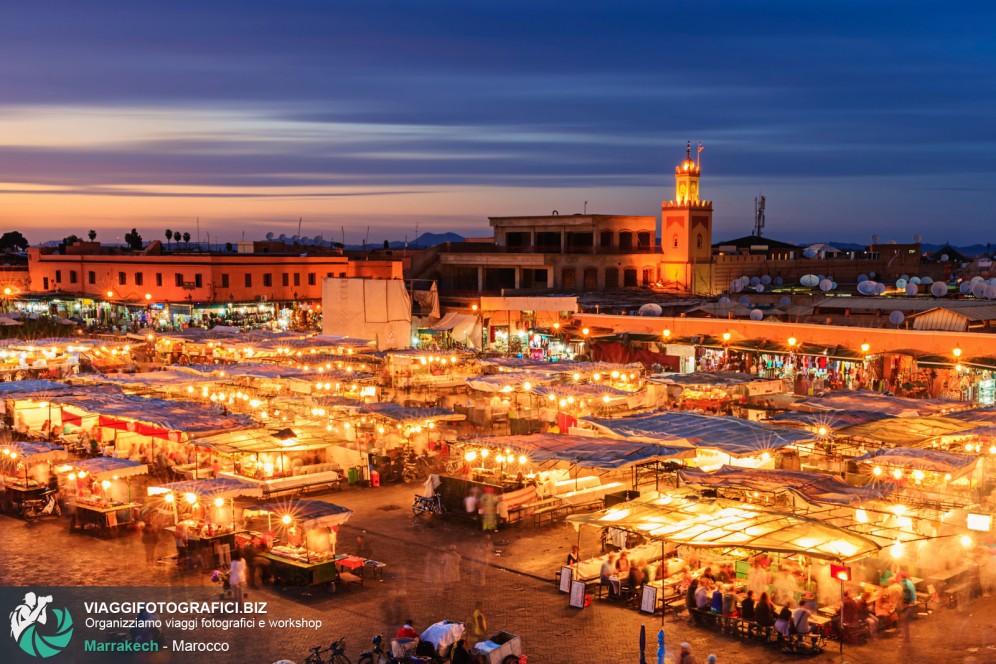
25,471
199,508
99,493
306,554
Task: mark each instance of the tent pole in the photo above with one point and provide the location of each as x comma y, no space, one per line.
664,567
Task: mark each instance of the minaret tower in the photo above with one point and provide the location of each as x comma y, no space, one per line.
686,230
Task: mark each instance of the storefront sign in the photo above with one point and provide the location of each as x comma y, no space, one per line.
648,604
566,576
987,392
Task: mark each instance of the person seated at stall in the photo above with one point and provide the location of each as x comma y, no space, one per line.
747,606
729,601
572,557
703,595
716,605
636,576
800,620
886,608
707,574
607,574
764,611
866,612
649,572
622,564
851,614
691,597
783,622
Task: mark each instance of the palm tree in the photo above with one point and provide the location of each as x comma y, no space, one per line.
186,239
169,236
92,235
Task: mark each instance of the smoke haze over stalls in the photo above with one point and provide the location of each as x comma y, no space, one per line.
852,118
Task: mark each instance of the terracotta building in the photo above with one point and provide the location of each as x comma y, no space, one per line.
88,270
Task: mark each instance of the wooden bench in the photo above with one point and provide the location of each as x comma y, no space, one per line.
958,592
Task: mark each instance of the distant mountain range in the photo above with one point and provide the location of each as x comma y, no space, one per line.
971,250
421,242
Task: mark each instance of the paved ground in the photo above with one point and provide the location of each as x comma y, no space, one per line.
515,587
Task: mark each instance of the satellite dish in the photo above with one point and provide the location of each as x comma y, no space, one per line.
871,275
964,287
879,288
976,279
926,281
744,300
944,258
650,309
901,283
897,317
826,285
756,314
779,281
754,281
866,287
735,286
759,288
786,301
766,280
862,277
991,292
809,253
725,300
914,280
745,281
979,289
911,289
939,289
905,277
809,280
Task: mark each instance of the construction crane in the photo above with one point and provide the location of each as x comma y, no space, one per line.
758,215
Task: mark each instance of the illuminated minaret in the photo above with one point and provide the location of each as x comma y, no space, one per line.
686,229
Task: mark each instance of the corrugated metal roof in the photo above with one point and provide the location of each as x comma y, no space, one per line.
905,304
981,312
940,319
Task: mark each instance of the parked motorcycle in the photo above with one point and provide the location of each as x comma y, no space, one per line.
47,504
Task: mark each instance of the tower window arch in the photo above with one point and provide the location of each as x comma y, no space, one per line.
698,241
674,242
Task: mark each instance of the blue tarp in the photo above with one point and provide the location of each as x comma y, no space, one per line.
401,414
218,487
723,378
979,415
585,451
308,513
730,435
31,452
107,466
21,388
884,403
814,488
830,420
186,416
942,462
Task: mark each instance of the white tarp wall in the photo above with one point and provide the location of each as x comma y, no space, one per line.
378,309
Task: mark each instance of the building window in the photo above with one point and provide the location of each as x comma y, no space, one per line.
72,276
698,241
267,280
139,279
224,281
248,281
605,239
178,279
643,240
44,283
297,278
328,274
159,278
629,277
285,279
122,279
612,277
311,278
58,276
91,277
674,242
625,240
568,277
648,276
198,282
590,278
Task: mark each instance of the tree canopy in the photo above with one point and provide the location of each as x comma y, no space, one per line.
13,241
134,240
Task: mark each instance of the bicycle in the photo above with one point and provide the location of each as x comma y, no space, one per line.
337,654
426,508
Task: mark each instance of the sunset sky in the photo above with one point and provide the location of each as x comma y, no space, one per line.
852,118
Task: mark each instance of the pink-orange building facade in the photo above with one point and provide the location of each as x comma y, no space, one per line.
130,277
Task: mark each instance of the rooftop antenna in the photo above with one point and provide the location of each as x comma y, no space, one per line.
299,219
758,215
586,207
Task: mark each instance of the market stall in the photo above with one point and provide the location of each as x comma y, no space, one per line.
25,471
201,514
306,555
99,493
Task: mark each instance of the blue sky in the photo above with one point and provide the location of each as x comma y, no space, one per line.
852,118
